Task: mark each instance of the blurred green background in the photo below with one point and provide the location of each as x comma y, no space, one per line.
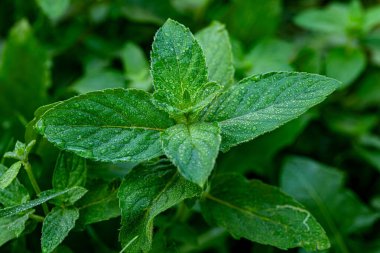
328,159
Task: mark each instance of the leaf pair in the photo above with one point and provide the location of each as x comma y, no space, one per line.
131,125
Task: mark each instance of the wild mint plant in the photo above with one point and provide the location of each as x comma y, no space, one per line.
175,134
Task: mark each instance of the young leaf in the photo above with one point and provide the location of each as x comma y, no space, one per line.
261,213
145,193
216,46
14,194
110,125
99,204
179,70
44,196
193,149
261,103
56,226
9,175
302,178
12,226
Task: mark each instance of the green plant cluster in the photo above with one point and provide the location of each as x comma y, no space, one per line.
256,130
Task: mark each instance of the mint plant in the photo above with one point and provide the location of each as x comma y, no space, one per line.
173,138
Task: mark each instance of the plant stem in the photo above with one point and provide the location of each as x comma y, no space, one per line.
37,217
34,183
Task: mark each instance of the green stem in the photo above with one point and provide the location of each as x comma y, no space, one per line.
34,183
37,217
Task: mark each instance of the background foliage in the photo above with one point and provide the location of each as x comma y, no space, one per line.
328,159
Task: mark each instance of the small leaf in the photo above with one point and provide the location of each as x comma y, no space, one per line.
12,226
56,226
345,64
261,213
9,175
261,103
44,196
179,68
54,9
216,46
110,125
14,194
99,204
145,193
193,149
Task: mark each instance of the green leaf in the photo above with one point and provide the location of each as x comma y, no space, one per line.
99,80
54,9
99,204
333,19
56,226
9,175
261,103
270,55
21,151
12,226
110,125
136,66
14,194
216,46
179,70
23,93
372,18
193,149
302,178
44,196
69,198
345,64
261,213
70,170
145,193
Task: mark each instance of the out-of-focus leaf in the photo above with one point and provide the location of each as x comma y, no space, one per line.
367,93
372,18
270,55
98,81
243,206
24,72
12,226
345,64
320,188
54,9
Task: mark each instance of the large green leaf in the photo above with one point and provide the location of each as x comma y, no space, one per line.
109,125
24,72
56,226
12,226
320,189
261,213
14,194
70,170
179,70
145,193
216,46
261,103
193,149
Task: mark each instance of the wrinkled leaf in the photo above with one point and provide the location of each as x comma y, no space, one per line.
110,125
193,149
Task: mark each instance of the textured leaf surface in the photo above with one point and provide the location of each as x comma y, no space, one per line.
302,178
44,196
14,194
216,46
145,193
110,125
56,226
179,70
12,226
24,72
261,103
261,213
99,204
9,175
193,149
